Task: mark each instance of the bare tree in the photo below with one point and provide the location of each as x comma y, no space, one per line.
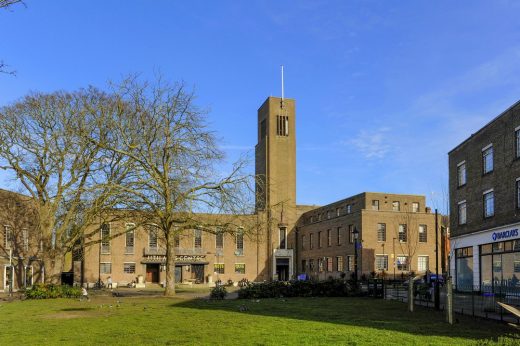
177,178
46,141
407,235
5,4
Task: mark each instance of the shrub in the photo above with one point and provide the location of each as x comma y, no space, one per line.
218,292
49,291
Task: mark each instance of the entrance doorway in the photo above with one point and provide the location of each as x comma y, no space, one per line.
282,269
198,273
178,274
152,273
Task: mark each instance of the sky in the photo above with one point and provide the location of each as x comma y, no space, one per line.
383,89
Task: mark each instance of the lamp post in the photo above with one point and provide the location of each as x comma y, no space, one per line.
355,233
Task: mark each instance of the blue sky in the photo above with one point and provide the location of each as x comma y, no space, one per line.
384,89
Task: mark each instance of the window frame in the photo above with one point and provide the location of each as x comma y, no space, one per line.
461,168
485,201
488,153
459,218
381,231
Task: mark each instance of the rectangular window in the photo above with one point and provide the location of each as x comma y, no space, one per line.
517,142
423,234
329,214
487,159
28,276
402,263
105,238
339,236
105,268
396,206
25,235
283,237
381,232
423,263
349,208
381,262
311,241
403,236
375,204
329,263
240,268
489,204
282,125
8,237
461,174
338,211
462,212
219,239
311,265
129,238
350,263
351,234
177,240
329,237
218,268
415,207
129,268
197,234
339,263
240,242
303,242
319,239
320,265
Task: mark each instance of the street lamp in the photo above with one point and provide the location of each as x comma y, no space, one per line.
355,233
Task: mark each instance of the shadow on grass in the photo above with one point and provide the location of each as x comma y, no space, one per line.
362,312
77,309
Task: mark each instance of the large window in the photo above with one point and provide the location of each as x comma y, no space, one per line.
219,239
129,268
500,266
462,212
422,263
464,268
282,125
403,233
105,268
423,234
381,232
240,242
339,263
489,203
283,237
197,234
402,263
129,238
381,262
487,159
105,238
461,174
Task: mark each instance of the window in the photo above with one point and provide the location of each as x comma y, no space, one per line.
517,142
423,263
396,206
349,208
339,236
240,268
105,268
403,236
105,238
423,234
402,263
461,174
319,239
303,242
282,125
415,207
338,211
462,212
197,234
381,262
328,260
311,265
218,268
329,237
329,214
129,268
28,276
283,238
304,266
351,234
319,217
219,239
25,235
311,241
381,232
130,238
517,189
487,159
489,203
339,263
375,204
350,263
240,242
320,265
8,237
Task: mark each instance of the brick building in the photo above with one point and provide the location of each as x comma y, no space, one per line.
484,183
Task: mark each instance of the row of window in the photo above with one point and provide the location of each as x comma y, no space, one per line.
330,264
106,268
9,238
219,268
153,239
381,235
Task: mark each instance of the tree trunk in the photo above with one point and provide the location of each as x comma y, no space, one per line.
53,267
170,264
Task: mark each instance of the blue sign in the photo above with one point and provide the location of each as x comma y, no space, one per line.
505,234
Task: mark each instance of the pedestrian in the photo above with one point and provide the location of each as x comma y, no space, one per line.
109,282
84,294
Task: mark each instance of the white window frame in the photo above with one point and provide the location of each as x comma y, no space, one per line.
459,219
419,263
109,246
125,263
130,229
460,181
487,192
484,150
102,272
385,261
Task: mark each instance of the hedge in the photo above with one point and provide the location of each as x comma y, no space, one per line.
303,288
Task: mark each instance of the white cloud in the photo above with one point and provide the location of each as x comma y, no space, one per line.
373,144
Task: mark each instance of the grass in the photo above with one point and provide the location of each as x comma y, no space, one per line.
297,321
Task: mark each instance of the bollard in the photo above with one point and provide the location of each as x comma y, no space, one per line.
449,301
410,294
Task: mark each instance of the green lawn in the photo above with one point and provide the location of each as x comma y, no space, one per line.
308,321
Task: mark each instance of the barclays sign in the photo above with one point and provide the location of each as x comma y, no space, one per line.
505,234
